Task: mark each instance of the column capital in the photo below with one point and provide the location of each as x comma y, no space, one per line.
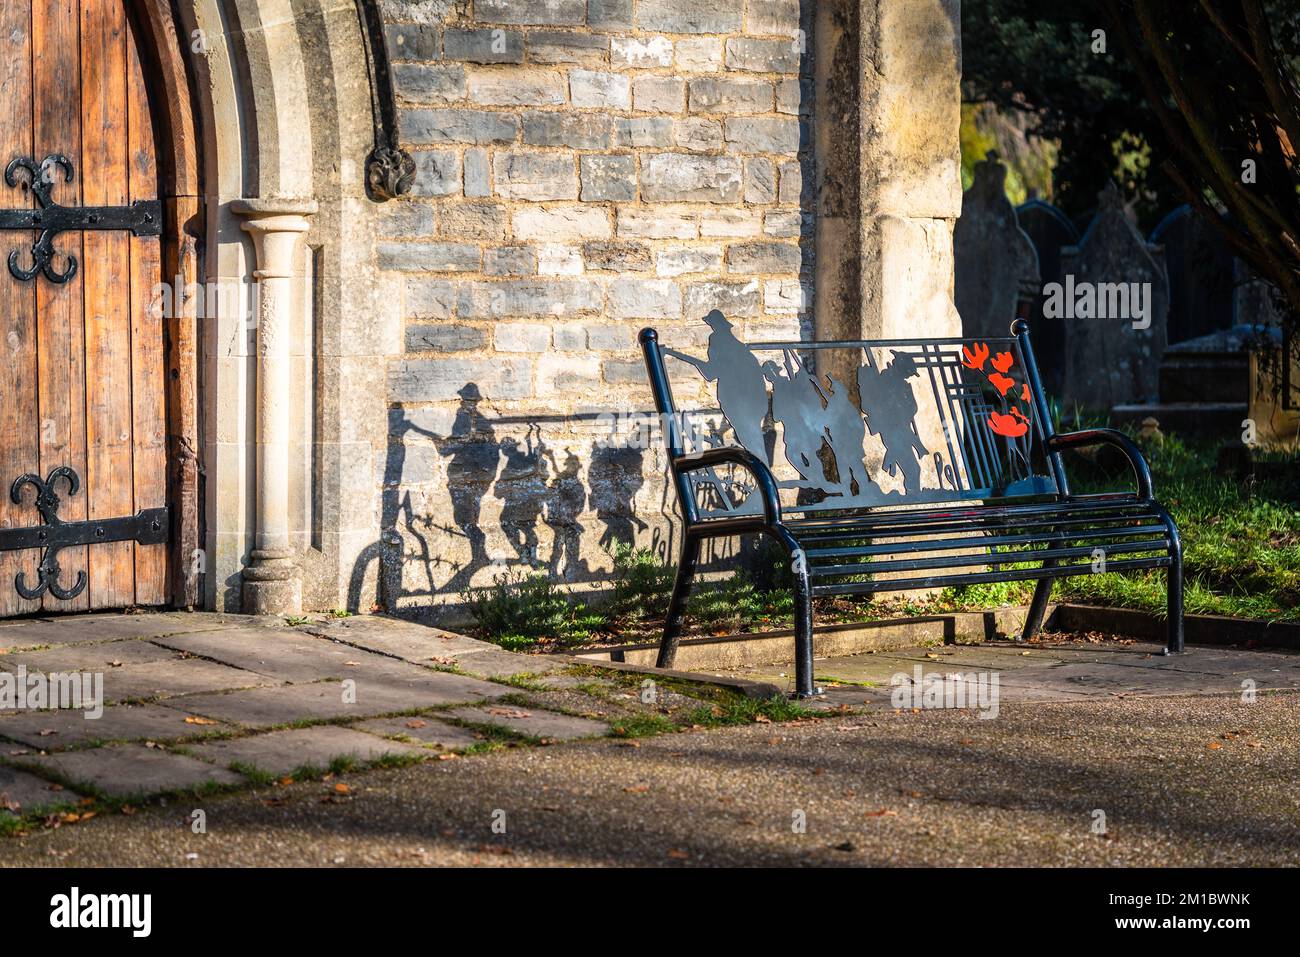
275,225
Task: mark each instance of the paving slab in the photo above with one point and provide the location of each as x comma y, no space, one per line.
89,628
1198,660
574,682
966,657
494,662
96,657
56,730
532,722
280,752
286,654
429,732
420,644
24,793
177,676
374,695
1105,678
132,770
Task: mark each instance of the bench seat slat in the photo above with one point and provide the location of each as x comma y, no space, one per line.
993,558
992,524
976,578
990,541
1080,505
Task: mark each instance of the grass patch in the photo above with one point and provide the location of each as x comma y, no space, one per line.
741,710
518,610
258,777
642,725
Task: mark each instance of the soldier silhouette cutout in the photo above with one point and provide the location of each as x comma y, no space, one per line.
742,393
890,407
797,406
847,434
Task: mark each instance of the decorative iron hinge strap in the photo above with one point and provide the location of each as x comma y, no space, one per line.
147,527
142,218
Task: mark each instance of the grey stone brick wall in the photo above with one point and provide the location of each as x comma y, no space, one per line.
585,168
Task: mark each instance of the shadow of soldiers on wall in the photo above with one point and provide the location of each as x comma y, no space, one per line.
535,484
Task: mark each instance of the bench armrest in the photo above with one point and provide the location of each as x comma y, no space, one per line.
1090,437
735,455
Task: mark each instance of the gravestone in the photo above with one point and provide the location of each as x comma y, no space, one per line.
1200,275
994,257
1112,303
1050,230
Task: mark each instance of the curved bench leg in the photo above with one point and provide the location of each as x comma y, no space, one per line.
1037,608
803,629
1174,603
686,566
1173,588
803,618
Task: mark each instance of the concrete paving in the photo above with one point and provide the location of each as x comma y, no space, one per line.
1048,671
203,692
545,725
58,730
130,771
281,752
24,793
1199,780
1147,738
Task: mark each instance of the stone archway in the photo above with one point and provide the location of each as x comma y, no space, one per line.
291,324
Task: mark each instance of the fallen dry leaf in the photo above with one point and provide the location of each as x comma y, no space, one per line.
194,719
883,812
678,855
762,719
1214,746
636,789
416,723
342,788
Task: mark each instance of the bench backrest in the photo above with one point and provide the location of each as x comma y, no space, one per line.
863,424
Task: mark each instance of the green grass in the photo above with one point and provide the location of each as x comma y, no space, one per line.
1241,538
736,709
518,610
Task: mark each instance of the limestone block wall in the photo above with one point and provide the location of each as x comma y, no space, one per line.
585,168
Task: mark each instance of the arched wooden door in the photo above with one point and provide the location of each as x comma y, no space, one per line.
82,358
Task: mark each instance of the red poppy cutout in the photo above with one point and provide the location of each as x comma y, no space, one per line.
1003,361
1007,425
1001,382
1015,410
975,360
1024,393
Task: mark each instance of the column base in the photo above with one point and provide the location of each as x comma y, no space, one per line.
272,585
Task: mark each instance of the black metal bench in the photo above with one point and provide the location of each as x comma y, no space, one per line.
937,465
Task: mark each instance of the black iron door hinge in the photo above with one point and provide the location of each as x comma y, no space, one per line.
142,218
147,527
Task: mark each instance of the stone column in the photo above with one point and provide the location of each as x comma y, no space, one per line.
272,581
910,102
888,113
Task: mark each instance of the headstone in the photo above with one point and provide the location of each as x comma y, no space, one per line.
994,256
1112,302
1200,275
1050,230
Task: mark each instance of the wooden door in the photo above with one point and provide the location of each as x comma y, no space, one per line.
81,360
